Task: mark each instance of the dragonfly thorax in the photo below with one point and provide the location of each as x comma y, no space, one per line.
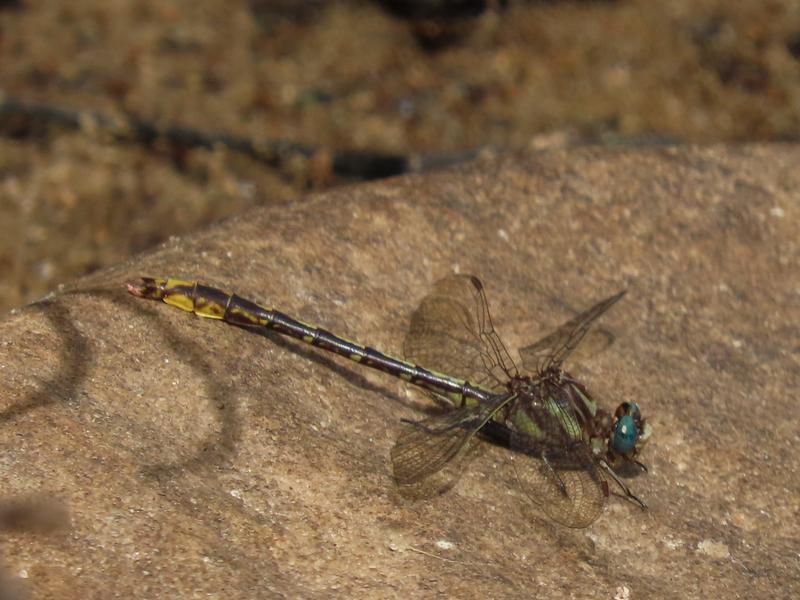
614,438
522,385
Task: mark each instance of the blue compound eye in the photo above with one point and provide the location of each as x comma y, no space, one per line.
633,410
625,435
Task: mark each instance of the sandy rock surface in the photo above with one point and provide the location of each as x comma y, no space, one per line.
158,455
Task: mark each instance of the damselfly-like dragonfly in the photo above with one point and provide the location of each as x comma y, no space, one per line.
564,448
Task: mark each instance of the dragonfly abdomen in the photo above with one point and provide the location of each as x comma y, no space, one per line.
213,303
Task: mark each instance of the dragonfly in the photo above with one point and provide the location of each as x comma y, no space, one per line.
564,448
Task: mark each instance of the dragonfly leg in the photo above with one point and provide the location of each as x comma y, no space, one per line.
628,493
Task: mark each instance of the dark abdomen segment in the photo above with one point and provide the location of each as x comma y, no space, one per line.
213,303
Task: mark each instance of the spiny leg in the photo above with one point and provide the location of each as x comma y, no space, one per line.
628,493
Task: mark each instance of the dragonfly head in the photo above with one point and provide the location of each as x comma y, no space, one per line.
629,431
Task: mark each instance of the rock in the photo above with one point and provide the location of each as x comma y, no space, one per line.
193,458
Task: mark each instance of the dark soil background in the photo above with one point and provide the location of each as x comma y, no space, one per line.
125,123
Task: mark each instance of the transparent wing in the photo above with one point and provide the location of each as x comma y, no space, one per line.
554,466
571,492
446,478
552,350
452,332
596,340
425,447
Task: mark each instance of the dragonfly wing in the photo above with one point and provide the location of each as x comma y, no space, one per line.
570,492
452,332
554,466
552,350
596,340
425,447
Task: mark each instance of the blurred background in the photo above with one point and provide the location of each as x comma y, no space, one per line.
124,123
